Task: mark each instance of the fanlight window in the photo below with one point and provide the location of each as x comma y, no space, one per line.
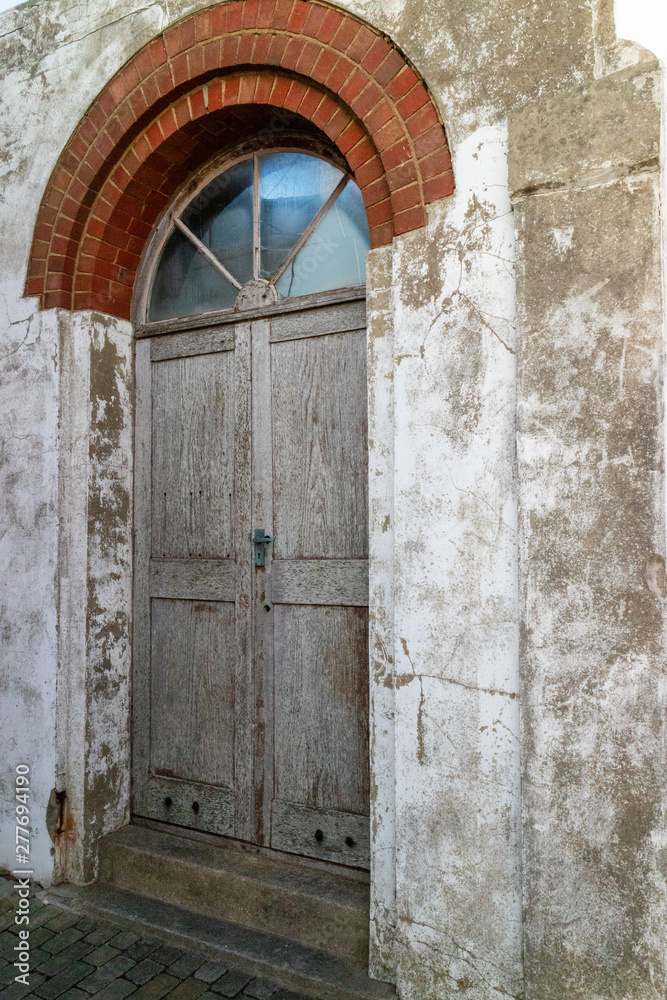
275,225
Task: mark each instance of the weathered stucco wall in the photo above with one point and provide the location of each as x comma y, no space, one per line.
452,912
591,457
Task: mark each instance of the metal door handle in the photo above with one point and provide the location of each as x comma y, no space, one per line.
260,539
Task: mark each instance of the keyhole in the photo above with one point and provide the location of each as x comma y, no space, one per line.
319,836
267,608
349,841
168,801
195,807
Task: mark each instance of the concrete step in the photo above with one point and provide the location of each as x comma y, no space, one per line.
317,908
305,970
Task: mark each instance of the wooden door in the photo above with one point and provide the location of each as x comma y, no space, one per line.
251,692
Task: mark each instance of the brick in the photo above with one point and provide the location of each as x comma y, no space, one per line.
378,118
362,42
439,187
144,971
323,66
265,12
337,124
353,86
229,51
106,974
202,23
360,155
421,121
189,989
40,937
404,173
406,222
74,994
210,972
310,103
330,25
117,990
245,47
281,14
382,212
231,984
368,99
144,947
405,81
276,50
309,54
156,988
17,990
124,940
260,49
438,162
345,34
181,36
70,976
397,154
167,954
429,141
185,966
339,74
376,55
314,20
388,136
413,101
297,19
54,964
196,61
7,973
389,68
375,192
405,198
86,924
102,954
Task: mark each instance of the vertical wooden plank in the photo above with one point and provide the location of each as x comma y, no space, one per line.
142,553
244,704
262,517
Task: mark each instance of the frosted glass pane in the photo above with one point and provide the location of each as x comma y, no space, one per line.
335,255
185,284
293,188
221,216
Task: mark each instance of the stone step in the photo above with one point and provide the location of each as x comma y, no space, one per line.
314,907
305,970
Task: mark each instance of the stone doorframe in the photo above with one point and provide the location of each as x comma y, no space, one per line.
164,114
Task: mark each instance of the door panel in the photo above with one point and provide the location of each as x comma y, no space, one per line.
193,448
321,707
320,466
192,691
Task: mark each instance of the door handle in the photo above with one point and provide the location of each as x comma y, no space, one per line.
260,540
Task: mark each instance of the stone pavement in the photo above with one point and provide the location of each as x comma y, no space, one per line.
80,958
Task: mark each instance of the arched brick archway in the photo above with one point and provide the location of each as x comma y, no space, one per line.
160,117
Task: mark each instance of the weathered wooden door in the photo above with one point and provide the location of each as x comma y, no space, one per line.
251,683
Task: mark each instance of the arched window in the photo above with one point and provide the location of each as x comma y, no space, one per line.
273,225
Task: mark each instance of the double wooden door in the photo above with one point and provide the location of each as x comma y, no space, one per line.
251,681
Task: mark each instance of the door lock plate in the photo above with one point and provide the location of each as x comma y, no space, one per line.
260,540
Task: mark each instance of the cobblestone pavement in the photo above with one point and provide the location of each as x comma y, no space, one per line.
79,958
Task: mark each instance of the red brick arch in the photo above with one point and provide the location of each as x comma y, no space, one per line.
170,108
